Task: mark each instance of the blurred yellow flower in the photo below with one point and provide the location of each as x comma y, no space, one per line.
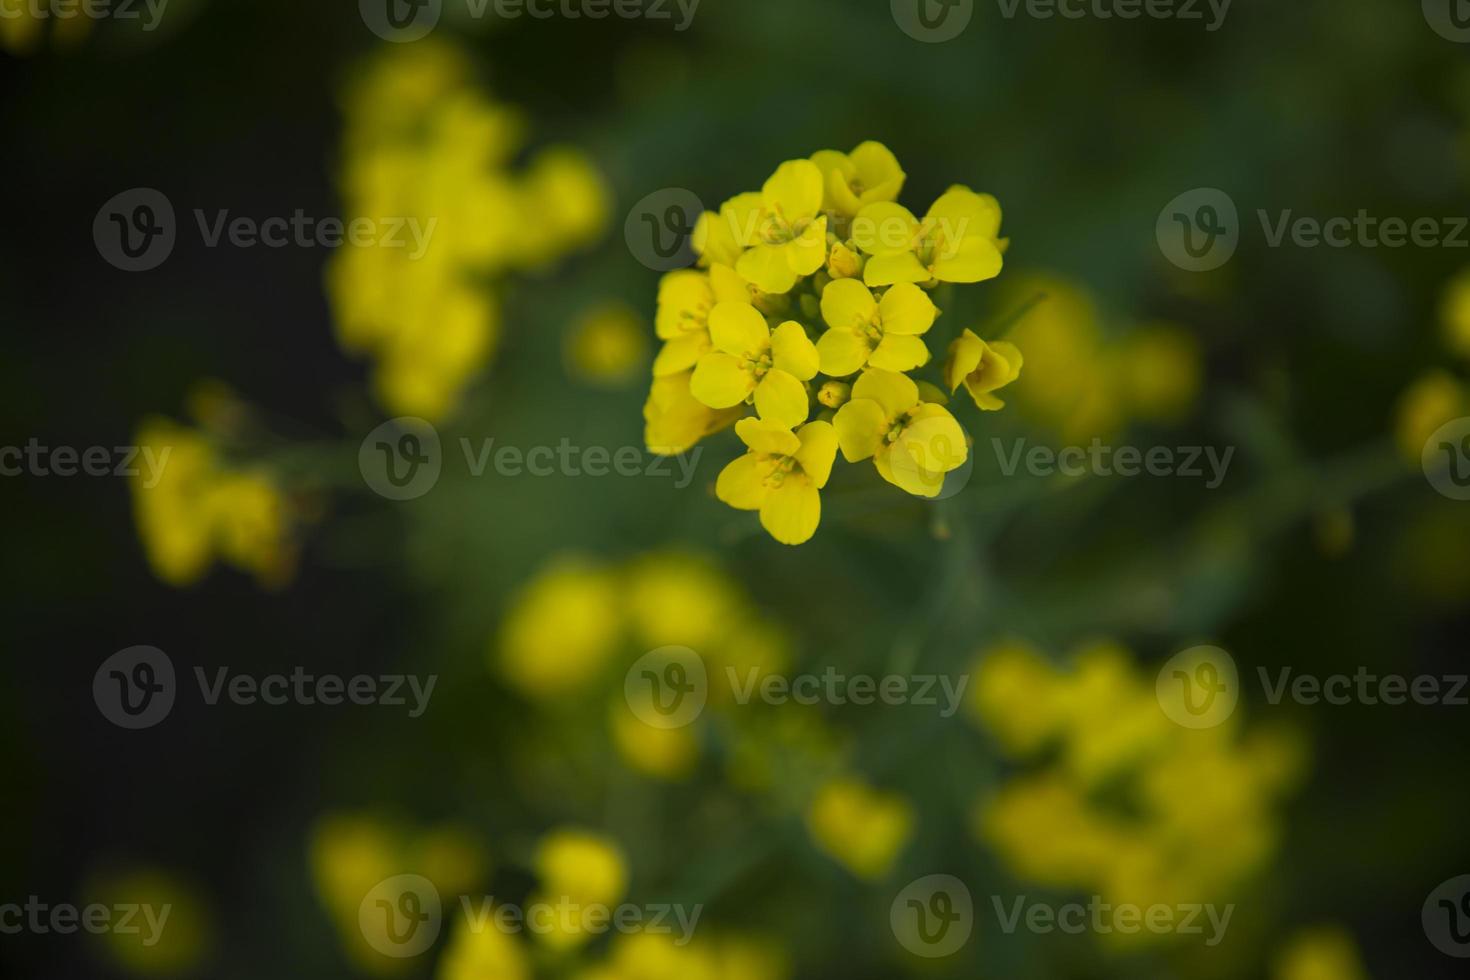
484,953
1433,399
1161,367
680,599
23,23
561,629
1454,315
1322,953
579,869
606,346
174,932
862,828
663,753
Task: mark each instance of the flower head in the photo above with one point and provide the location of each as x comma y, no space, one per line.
781,229
982,368
870,173
750,360
865,331
956,242
913,443
780,476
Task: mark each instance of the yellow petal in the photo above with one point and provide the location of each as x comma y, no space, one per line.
860,425
961,213
848,305
721,380
899,353
743,216
965,354
975,260
885,270
906,309
794,190
738,328
792,511
742,483
927,448
767,438
767,267
884,228
781,399
681,353
894,392
842,352
684,297
793,352
727,285
713,239
818,451
809,252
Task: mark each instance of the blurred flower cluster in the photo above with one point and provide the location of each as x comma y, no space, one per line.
1438,394
23,26
424,144
822,274
1122,802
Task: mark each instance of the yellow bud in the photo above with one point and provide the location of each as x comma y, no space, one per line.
834,394
844,263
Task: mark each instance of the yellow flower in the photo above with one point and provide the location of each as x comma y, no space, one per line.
780,476
253,519
869,174
1015,696
1322,953
176,945
677,599
843,262
685,299
674,419
982,368
834,394
580,870
561,630
564,203
714,236
1161,368
860,827
750,359
606,345
913,443
956,242
1454,315
1433,399
864,331
781,228
647,955
477,953
663,753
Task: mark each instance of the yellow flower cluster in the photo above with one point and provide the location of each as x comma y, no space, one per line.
1438,395
350,853
1123,803
576,627
581,868
197,509
1320,953
649,956
424,146
864,829
22,28
1086,382
822,274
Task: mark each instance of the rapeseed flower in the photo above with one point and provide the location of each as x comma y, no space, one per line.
958,240
867,175
780,476
864,829
913,443
982,368
864,330
750,361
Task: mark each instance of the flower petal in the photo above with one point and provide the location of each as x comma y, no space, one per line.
894,392
975,260
742,483
794,190
781,399
808,252
965,354
885,270
727,284
792,351
876,167
818,451
899,353
768,438
848,305
885,228
721,380
684,297
842,352
742,216
906,309
681,353
930,446
860,425
792,511
961,213
738,328
767,267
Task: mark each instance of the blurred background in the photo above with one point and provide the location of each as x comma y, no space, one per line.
540,144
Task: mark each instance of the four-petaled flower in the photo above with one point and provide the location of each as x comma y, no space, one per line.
982,368
956,242
883,333
913,443
867,175
750,358
780,476
685,299
782,229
